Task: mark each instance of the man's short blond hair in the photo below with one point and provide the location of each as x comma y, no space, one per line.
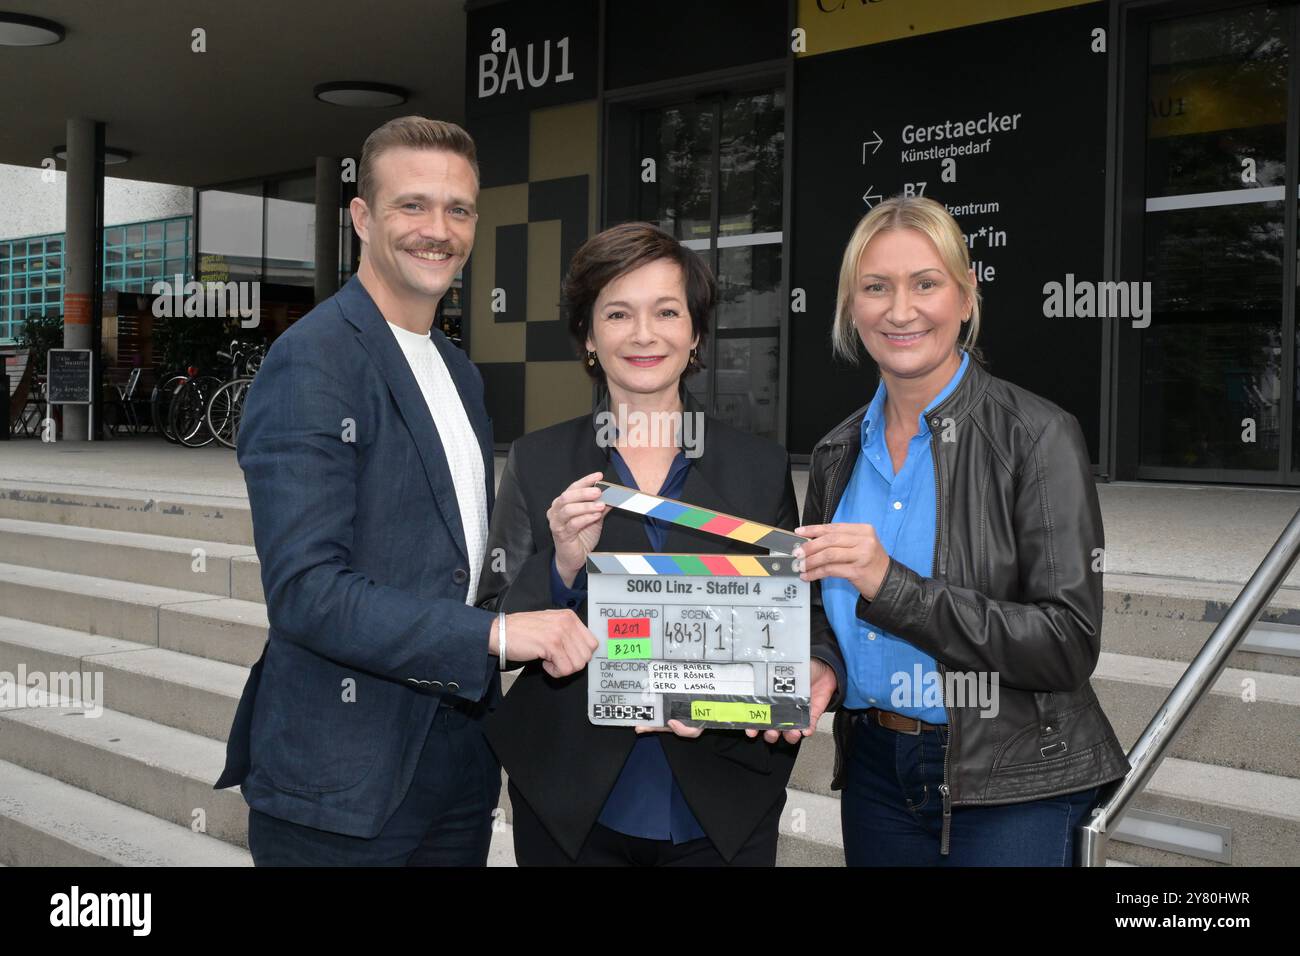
416,132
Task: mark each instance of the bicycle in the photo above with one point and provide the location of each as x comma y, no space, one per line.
226,405
160,401
187,417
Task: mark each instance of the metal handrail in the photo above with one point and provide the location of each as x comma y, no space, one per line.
1149,751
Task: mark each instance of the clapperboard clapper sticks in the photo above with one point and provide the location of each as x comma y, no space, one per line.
712,640
703,519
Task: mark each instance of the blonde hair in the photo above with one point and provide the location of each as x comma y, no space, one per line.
903,212
417,132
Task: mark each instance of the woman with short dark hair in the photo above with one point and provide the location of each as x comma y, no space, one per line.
638,304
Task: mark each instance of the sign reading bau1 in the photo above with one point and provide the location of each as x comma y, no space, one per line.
499,69
522,56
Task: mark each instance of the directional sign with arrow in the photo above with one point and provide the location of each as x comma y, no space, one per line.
877,141
1018,185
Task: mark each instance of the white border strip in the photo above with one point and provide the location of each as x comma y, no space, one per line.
636,564
640,503
1229,197
732,242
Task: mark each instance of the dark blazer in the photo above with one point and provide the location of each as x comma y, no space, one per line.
364,567
564,765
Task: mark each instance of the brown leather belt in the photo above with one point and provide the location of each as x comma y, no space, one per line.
892,721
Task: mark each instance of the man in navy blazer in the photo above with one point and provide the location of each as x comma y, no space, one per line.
367,453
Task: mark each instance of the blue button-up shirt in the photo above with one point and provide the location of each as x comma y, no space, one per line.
884,670
646,801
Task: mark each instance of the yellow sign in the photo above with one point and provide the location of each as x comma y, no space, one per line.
1186,100
840,24
731,712
214,268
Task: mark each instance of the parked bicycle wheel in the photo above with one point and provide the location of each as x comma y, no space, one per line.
226,408
188,417
160,404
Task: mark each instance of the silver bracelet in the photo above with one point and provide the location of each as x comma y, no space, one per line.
501,638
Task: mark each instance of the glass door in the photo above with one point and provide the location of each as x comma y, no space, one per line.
1219,247
719,163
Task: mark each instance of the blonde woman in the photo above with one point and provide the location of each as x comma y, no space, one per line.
955,542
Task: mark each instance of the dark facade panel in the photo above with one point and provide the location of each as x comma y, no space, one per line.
503,394
512,271
649,42
1029,194
502,143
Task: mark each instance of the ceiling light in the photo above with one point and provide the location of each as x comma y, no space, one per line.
18,29
112,156
357,93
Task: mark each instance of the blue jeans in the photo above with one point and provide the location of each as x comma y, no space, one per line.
445,819
892,812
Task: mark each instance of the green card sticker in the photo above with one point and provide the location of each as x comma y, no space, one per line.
731,712
638,649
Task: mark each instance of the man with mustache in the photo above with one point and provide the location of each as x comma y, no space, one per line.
367,453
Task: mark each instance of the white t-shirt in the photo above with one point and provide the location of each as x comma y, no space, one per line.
459,442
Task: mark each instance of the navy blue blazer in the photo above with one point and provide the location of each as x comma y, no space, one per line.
364,567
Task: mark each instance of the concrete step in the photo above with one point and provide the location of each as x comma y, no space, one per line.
176,690
1261,810
1262,733
168,773
45,822
815,764
185,564
1259,735
227,520
222,629
1172,618
174,654
246,579
159,770
810,822
226,630
501,852
810,831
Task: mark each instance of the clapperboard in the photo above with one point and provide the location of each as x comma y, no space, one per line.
712,640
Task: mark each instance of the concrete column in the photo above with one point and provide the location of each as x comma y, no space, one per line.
329,192
81,250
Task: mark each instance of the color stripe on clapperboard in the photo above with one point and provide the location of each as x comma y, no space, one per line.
715,565
702,519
